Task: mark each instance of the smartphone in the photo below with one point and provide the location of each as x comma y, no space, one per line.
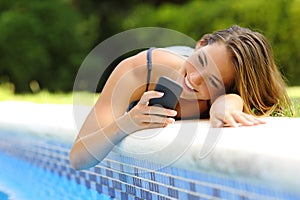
171,90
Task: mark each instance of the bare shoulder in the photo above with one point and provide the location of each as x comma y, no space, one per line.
134,67
166,57
158,56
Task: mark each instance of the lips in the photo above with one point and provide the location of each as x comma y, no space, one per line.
188,85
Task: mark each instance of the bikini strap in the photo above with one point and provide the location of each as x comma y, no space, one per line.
149,66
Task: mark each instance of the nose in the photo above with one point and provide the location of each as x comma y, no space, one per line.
196,78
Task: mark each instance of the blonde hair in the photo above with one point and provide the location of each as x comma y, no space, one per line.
258,80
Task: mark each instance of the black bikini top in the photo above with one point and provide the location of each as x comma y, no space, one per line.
149,67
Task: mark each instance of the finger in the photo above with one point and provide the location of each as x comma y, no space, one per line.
157,119
259,121
157,110
249,119
243,118
150,95
156,125
230,121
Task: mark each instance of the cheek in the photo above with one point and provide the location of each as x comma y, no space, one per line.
204,91
211,92
187,67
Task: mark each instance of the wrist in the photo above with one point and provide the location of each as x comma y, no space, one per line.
125,125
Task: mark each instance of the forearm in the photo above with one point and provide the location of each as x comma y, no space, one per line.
91,148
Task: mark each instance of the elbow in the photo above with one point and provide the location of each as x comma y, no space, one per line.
75,161
80,159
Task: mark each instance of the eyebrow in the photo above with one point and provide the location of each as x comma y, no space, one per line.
202,62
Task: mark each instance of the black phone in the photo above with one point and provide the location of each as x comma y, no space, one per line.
171,90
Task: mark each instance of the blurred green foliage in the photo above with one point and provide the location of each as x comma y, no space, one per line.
276,19
38,44
42,43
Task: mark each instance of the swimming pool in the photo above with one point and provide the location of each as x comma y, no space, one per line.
28,173
35,165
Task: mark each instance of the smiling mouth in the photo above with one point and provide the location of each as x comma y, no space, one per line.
188,85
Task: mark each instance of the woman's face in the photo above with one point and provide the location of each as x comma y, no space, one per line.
207,72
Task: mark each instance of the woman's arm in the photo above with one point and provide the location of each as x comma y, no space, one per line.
108,123
92,145
228,110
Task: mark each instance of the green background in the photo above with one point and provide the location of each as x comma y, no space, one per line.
43,42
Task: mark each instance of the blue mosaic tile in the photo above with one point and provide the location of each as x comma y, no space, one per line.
124,196
162,197
152,176
99,188
111,192
216,192
97,170
137,182
243,198
171,181
117,185
163,189
145,184
192,197
82,174
138,192
146,195
172,192
109,173
92,177
153,187
88,184
135,179
123,177
137,198
130,190
104,181
108,163
192,187
104,189
93,186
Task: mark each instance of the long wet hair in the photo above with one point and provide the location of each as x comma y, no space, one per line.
258,80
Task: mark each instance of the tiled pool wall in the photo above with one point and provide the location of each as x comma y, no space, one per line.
123,177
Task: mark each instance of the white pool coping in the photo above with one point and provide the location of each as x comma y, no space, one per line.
268,153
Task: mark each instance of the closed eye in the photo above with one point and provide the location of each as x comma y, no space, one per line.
212,82
202,61
215,81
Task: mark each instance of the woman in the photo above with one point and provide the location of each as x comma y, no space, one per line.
231,77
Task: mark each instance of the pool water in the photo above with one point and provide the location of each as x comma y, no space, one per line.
21,180
3,196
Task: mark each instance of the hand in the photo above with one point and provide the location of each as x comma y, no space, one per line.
234,119
143,116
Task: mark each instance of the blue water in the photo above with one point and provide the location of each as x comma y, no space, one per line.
20,180
3,196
